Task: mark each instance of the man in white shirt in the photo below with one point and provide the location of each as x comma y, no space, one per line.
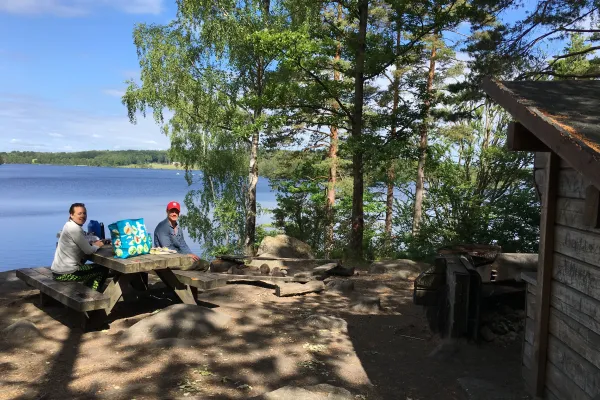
72,251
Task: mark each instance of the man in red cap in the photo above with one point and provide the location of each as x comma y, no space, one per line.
168,234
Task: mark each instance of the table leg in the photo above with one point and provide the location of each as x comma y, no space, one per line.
44,299
117,288
183,291
139,281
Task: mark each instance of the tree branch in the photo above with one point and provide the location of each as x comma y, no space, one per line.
575,53
551,73
581,30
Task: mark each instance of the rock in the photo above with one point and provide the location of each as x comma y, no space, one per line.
326,322
21,331
499,325
338,285
294,289
322,391
323,270
285,246
403,268
182,321
303,275
264,269
221,265
243,270
366,305
277,272
479,389
487,334
340,270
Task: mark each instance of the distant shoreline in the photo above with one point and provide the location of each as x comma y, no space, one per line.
130,166
151,166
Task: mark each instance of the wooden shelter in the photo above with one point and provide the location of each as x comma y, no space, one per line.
560,122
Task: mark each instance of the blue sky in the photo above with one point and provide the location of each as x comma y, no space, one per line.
63,66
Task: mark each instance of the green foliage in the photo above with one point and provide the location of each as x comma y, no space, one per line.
477,192
94,158
208,69
579,63
300,179
223,75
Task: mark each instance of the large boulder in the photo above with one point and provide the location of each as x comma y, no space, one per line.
284,246
21,331
181,321
402,268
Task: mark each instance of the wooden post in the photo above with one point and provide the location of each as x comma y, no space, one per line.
520,138
544,274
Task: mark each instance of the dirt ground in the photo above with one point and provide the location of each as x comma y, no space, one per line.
384,355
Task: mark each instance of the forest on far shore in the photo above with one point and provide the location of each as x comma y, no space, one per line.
93,158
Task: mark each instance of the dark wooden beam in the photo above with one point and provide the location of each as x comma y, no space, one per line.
520,138
544,274
591,212
576,154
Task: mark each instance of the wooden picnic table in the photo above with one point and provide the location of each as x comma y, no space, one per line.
137,268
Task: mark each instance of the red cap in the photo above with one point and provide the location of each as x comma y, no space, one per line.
173,205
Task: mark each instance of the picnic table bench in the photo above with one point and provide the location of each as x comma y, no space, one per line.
90,303
75,295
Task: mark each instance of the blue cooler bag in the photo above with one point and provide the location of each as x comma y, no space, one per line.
129,238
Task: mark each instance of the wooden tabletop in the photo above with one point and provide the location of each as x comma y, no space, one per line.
148,262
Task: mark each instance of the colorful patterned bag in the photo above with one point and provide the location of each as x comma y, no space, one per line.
130,238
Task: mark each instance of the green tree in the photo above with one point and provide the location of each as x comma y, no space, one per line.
478,191
208,69
368,49
575,60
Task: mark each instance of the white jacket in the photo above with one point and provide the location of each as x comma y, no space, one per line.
71,250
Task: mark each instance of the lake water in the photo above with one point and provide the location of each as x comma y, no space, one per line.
35,200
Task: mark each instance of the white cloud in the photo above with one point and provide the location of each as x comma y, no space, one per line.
76,8
27,144
141,6
114,92
25,122
57,135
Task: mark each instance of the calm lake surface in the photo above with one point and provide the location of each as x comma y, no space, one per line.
35,200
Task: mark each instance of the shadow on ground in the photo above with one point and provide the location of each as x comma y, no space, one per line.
383,355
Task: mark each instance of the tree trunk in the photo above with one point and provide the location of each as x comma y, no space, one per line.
253,170
358,219
420,183
251,201
391,172
333,149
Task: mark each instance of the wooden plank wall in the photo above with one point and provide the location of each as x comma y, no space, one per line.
573,367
